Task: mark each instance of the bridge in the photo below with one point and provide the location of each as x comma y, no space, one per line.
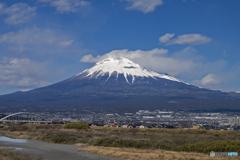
25,117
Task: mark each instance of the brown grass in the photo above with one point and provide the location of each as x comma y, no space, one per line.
81,144
146,154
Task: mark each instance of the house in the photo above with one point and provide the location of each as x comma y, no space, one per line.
197,127
130,126
125,126
141,126
205,126
112,124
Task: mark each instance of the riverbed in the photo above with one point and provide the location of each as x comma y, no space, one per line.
49,151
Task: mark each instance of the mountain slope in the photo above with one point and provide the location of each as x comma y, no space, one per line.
120,84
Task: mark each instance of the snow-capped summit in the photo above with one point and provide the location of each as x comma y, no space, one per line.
123,66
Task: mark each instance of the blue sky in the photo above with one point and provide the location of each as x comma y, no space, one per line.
46,41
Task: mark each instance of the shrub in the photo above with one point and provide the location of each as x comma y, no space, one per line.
65,138
18,128
45,126
89,136
202,147
15,155
12,129
143,144
207,147
151,131
76,125
24,128
39,158
133,130
161,156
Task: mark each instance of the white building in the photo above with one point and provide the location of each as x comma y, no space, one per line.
234,120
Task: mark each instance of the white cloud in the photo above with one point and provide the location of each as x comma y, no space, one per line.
210,79
34,40
45,1
66,6
22,73
25,90
237,91
166,37
145,6
1,7
65,43
25,82
18,13
192,39
125,53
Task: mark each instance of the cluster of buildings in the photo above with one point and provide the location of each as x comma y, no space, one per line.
181,125
147,119
158,119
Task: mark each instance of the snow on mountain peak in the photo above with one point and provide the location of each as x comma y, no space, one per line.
122,66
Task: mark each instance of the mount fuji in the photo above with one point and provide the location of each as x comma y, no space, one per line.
118,84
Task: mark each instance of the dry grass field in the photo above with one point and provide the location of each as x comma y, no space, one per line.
134,144
147,154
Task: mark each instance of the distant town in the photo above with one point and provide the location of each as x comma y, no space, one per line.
146,119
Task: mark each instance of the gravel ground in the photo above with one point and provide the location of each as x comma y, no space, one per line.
51,151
